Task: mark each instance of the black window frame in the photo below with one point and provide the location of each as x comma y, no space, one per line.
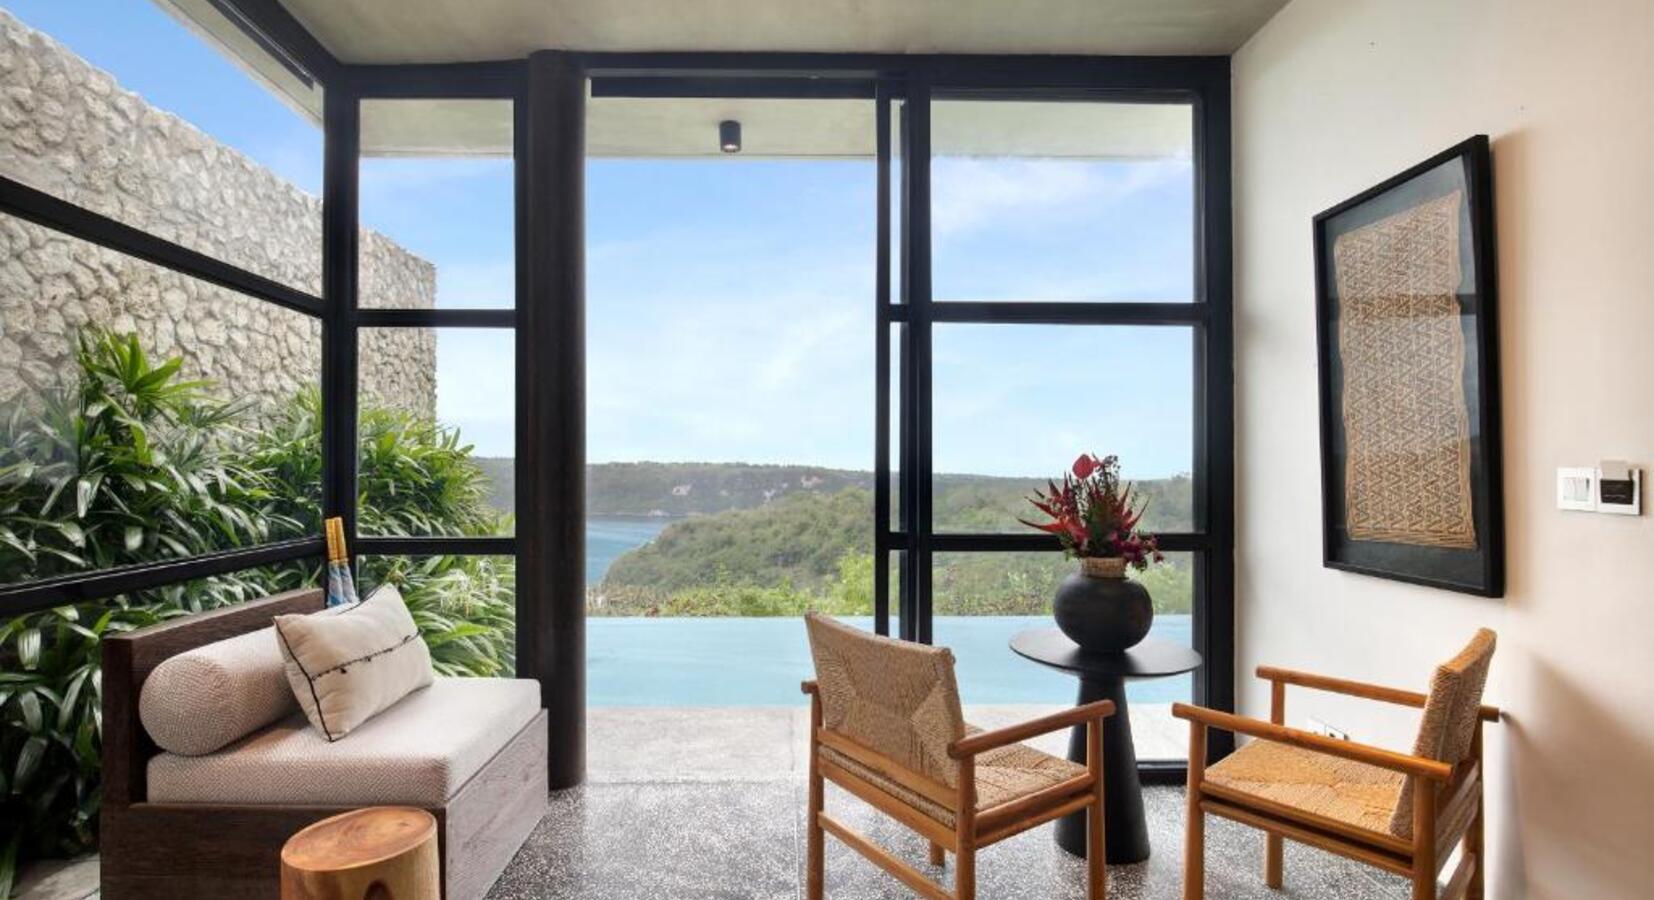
550,357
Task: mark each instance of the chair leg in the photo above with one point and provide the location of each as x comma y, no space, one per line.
1272,860
814,851
1424,839
814,862
937,857
1474,840
964,874
1194,848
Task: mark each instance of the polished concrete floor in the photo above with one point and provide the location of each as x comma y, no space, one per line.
744,840
686,804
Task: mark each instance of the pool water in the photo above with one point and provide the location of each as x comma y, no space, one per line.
760,662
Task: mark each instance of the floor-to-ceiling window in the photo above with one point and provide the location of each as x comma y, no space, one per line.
1056,317
730,307
1046,272
435,496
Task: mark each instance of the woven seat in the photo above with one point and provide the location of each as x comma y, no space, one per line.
1002,775
1343,790
1403,813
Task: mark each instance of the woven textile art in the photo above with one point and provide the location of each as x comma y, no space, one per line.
1402,347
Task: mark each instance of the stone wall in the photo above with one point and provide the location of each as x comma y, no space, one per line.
68,129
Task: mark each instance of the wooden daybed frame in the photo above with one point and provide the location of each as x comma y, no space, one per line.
164,850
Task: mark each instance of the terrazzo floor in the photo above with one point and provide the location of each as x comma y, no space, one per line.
731,840
708,804
700,804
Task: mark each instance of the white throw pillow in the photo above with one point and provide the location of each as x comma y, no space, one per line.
351,662
203,699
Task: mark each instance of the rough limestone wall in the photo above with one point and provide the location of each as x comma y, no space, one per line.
68,129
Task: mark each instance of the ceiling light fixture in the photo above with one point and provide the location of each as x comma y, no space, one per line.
729,136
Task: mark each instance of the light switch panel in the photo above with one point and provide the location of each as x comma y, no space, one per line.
1619,488
1576,488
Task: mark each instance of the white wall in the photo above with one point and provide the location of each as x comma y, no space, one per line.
1331,97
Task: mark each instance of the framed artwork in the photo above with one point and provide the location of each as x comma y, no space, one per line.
1405,303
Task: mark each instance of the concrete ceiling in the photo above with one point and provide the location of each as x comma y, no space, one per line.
429,31
822,129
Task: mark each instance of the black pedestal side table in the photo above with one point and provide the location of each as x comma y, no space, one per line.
1103,676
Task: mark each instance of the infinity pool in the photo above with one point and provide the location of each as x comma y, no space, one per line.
760,662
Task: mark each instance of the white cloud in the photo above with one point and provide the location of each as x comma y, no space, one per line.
970,193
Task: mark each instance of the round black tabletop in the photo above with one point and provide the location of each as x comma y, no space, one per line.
1153,658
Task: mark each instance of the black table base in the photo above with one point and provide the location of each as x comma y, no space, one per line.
1103,676
1126,829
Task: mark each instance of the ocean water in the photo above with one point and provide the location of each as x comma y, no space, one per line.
609,536
760,662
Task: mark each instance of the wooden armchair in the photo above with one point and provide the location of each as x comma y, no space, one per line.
886,725
1403,813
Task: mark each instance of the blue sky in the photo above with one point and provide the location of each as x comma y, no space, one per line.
730,300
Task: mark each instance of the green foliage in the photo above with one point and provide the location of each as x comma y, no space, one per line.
135,464
132,465
812,551
798,539
465,606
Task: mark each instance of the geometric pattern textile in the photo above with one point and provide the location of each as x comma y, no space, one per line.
1402,350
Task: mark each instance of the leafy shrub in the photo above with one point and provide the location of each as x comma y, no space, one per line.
135,464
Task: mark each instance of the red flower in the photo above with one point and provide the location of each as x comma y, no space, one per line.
1085,465
1094,514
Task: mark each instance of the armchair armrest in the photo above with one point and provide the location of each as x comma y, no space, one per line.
1357,689
810,687
1362,753
1011,734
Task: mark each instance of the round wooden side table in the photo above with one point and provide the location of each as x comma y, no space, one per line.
378,853
1103,676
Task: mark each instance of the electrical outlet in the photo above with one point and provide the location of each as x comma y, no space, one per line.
1322,728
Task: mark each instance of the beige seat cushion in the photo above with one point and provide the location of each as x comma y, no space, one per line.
1345,791
1002,775
419,752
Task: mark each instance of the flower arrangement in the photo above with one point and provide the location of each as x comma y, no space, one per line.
1092,514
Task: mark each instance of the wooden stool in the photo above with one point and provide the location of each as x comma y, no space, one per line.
379,853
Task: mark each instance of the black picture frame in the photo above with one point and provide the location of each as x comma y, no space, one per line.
1479,567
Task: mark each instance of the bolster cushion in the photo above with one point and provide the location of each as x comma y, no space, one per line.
203,699
345,667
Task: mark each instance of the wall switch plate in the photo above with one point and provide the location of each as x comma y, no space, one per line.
1322,728
1576,488
1619,488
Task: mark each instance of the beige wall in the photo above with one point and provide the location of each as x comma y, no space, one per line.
1331,97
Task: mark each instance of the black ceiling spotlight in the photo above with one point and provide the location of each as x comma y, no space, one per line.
729,136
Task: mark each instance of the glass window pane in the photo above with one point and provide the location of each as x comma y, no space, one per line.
982,600
437,205
437,421
1062,201
731,325
124,110
1015,404
465,607
145,415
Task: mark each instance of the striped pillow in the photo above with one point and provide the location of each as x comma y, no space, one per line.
350,663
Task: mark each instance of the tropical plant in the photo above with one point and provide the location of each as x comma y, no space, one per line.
135,463
1093,514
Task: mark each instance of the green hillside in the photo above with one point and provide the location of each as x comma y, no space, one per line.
962,502
814,550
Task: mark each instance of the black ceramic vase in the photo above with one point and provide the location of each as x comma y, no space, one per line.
1102,611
